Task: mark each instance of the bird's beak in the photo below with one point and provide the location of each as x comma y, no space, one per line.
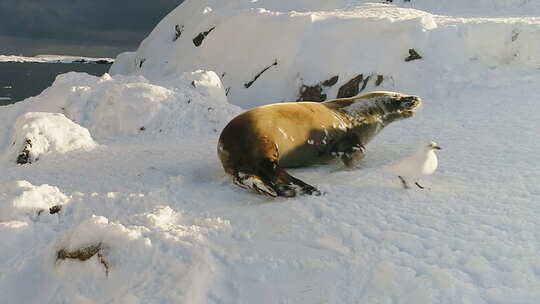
436,148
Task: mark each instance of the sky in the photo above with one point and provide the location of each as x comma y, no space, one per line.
93,28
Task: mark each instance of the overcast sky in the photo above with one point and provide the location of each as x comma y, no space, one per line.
94,28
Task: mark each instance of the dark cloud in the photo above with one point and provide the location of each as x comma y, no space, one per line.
86,27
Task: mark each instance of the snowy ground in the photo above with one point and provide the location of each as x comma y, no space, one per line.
147,188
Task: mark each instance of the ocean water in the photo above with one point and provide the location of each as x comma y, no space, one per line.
19,81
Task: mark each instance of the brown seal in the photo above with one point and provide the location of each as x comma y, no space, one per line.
258,144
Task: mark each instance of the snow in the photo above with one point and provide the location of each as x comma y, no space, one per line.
54,59
152,199
343,38
22,200
42,133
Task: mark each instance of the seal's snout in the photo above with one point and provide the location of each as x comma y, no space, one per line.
411,99
410,102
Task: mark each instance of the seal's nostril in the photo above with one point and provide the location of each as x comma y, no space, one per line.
409,98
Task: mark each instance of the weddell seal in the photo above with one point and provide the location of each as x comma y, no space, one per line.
256,146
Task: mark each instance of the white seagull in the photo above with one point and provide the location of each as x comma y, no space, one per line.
421,163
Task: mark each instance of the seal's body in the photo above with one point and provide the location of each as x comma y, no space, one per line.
258,144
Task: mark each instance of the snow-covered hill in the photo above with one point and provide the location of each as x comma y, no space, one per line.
125,201
267,51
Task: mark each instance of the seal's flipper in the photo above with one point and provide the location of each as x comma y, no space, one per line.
350,149
280,182
295,184
350,160
255,183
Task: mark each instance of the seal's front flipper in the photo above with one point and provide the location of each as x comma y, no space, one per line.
350,149
293,184
350,160
256,184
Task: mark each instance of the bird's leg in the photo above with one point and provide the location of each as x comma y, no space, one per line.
404,182
419,186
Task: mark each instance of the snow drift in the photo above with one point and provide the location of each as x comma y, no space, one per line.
190,103
38,133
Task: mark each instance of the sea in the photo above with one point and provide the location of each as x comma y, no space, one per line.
20,80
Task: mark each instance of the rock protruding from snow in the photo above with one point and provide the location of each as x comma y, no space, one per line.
22,201
39,133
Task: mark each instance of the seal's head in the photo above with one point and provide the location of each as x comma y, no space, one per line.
389,106
392,103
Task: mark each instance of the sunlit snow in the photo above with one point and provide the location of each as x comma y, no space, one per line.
130,204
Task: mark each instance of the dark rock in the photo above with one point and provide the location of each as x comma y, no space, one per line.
141,62
197,41
55,209
364,83
330,82
312,93
84,254
515,35
379,80
413,55
102,61
248,84
178,31
24,156
81,254
351,88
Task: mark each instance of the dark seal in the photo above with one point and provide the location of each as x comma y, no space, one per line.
257,145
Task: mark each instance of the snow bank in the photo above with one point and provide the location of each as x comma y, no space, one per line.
269,51
126,59
22,201
38,133
189,103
